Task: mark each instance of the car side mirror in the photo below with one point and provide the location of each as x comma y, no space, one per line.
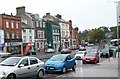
21,65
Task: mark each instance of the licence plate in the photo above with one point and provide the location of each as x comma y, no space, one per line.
87,60
51,68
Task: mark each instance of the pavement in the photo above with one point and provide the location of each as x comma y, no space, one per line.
107,68
40,55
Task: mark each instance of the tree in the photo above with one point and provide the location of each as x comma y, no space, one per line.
96,35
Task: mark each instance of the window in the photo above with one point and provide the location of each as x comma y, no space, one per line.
8,35
24,39
12,35
33,61
30,31
12,24
41,34
37,24
0,38
30,38
24,62
43,24
17,35
7,24
24,30
40,23
17,25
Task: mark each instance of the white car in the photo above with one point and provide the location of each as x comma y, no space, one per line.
80,54
4,54
21,67
50,50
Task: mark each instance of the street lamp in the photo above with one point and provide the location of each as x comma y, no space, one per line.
117,25
116,2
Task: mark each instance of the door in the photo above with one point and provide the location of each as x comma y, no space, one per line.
23,68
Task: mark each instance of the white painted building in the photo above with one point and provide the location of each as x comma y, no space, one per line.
1,39
65,33
118,12
27,35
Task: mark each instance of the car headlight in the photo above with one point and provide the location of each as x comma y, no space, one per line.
2,73
59,64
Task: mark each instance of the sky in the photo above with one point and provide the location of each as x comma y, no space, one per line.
85,14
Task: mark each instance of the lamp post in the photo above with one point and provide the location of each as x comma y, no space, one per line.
116,2
117,25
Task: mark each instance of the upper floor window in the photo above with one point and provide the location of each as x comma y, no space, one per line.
30,38
12,35
41,34
30,31
17,25
12,24
8,35
37,24
17,35
24,39
7,24
40,23
24,30
43,24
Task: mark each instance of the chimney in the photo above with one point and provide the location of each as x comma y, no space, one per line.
47,14
70,23
58,16
11,14
20,10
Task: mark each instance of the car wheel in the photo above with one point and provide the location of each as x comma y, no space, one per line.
74,67
40,74
83,62
11,76
64,70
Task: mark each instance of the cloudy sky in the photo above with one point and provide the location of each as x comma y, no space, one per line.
85,14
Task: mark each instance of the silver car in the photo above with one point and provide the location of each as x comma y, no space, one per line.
21,67
4,54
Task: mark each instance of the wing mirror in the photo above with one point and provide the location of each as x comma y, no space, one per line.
21,65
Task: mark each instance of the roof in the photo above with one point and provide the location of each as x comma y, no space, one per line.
25,26
53,23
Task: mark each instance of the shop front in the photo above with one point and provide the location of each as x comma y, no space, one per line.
1,47
14,47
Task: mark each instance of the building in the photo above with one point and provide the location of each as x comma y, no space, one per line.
11,28
53,33
2,39
27,36
35,22
65,32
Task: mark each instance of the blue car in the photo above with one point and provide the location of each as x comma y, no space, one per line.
60,63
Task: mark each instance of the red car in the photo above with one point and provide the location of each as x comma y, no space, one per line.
91,58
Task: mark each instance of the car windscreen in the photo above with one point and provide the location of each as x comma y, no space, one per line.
10,61
90,55
58,58
80,53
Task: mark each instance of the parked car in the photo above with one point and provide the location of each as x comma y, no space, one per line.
60,63
80,54
18,67
4,54
32,52
105,52
91,58
50,50
65,51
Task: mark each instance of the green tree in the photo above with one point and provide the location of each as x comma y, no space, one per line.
96,35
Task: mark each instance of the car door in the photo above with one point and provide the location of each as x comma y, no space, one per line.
69,62
23,68
34,66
